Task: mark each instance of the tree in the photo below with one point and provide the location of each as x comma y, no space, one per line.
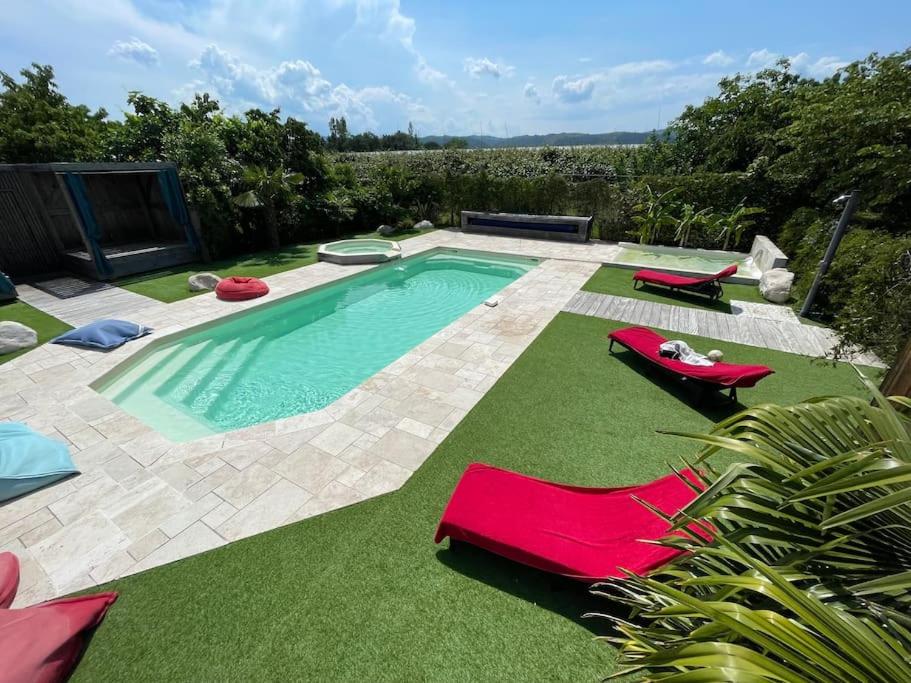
141,135
38,124
267,188
456,143
338,134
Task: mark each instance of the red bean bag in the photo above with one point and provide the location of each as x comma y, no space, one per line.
42,644
237,288
9,578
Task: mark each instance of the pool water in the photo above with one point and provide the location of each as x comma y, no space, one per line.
361,246
304,352
692,262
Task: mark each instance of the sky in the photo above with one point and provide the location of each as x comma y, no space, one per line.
494,67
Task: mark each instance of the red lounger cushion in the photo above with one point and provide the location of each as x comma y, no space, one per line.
584,533
647,344
236,288
668,280
9,578
42,644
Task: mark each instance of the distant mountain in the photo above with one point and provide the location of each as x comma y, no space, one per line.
549,140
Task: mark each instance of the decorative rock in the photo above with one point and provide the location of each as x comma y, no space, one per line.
492,301
385,230
775,285
15,336
423,225
203,282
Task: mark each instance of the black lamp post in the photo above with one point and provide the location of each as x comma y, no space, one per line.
850,201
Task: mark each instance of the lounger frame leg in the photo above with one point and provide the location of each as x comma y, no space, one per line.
610,347
733,394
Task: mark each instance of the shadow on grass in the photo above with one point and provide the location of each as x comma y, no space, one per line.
677,297
558,594
713,405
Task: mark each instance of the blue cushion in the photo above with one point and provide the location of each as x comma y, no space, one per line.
29,460
103,334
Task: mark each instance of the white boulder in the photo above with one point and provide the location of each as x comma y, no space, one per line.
15,336
423,225
203,282
775,285
385,230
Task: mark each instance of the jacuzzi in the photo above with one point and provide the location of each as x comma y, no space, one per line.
360,251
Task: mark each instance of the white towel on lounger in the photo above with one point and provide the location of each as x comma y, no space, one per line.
680,350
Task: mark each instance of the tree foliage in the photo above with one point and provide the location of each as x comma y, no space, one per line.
38,124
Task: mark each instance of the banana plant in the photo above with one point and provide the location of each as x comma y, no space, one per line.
654,214
733,225
802,567
690,220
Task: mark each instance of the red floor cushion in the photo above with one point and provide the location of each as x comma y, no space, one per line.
237,288
42,644
9,578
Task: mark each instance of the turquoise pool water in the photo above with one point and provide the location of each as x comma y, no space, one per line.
303,353
686,260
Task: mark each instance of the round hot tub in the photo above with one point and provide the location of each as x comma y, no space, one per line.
350,252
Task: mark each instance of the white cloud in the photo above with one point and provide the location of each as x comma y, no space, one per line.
482,66
427,74
763,59
298,86
571,90
531,93
718,58
584,60
821,68
134,50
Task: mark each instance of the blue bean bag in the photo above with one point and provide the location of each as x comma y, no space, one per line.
29,460
103,334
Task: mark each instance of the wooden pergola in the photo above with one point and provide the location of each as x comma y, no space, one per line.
103,220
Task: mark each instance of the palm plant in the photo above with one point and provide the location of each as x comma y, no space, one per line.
690,220
808,573
654,214
266,189
733,225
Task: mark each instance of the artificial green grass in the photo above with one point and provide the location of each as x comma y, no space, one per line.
47,326
363,593
171,285
619,282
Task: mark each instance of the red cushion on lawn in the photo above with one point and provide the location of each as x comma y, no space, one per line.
669,280
42,644
647,344
9,578
581,532
237,288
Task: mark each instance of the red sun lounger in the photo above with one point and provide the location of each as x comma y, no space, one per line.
584,533
647,344
710,285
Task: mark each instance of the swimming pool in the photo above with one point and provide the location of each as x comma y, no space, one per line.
302,353
686,261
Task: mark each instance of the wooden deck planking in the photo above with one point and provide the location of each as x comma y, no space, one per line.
792,337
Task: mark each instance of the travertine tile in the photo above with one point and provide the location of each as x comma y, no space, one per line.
78,548
336,438
244,486
148,543
269,510
310,468
382,478
199,509
403,449
195,539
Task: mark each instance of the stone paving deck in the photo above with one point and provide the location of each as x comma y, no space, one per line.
141,500
763,325
109,302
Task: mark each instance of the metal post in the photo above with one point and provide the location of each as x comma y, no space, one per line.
840,229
